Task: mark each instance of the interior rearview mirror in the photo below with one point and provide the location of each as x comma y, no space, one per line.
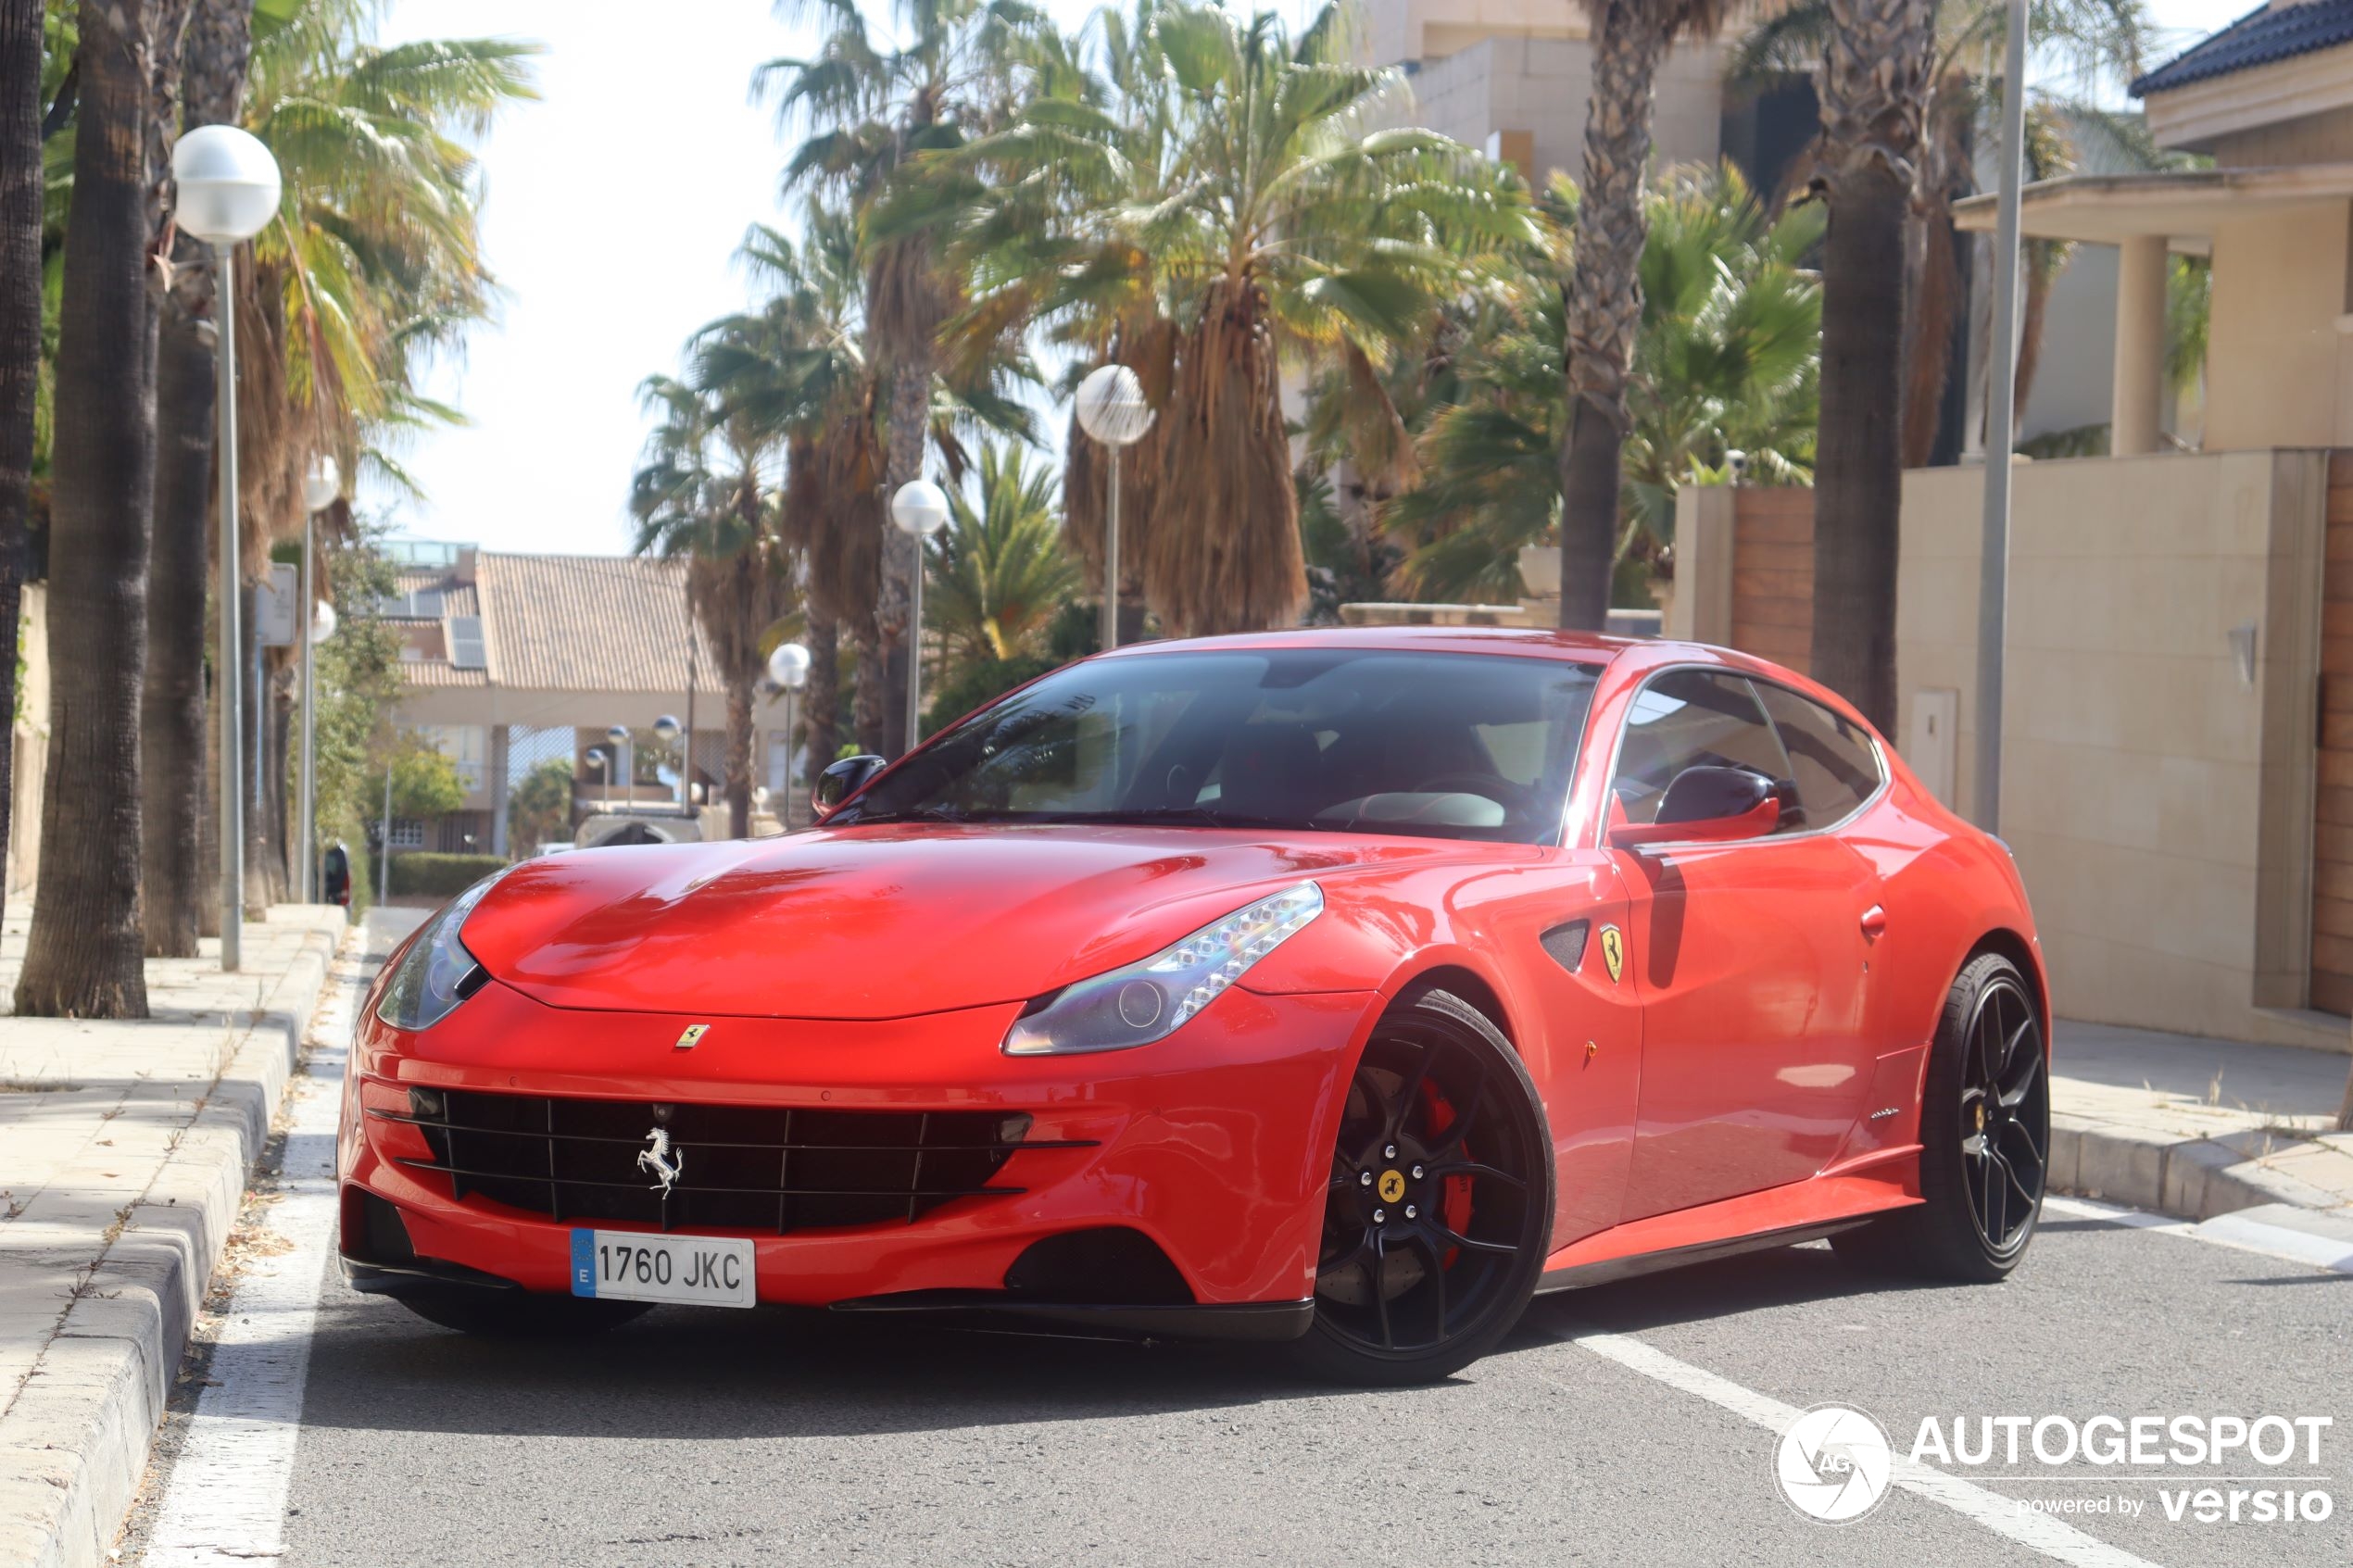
843,779
1707,805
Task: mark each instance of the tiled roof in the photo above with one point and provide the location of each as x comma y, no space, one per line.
456,596
2259,38
589,624
440,673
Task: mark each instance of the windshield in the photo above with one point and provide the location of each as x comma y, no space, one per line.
1426,744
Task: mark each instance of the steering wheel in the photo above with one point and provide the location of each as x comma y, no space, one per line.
1514,798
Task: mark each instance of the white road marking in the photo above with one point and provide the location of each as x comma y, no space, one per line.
2053,1538
226,1501
2237,1232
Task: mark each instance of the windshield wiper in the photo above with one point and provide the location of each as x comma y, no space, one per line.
911,814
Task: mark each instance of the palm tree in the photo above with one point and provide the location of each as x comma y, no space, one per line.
1724,360
872,111
1001,574
1214,208
809,384
699,496
21,194
2077,44
373,268
1604,295
1874,85
84,957
214,53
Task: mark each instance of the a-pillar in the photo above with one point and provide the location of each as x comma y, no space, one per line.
2139,393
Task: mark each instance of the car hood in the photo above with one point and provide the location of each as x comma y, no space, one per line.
881,921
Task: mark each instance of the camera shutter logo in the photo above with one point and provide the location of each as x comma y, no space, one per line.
1834,1465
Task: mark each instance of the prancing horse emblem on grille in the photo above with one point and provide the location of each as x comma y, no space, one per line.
659,1158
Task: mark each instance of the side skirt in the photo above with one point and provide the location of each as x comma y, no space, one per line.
1576,1277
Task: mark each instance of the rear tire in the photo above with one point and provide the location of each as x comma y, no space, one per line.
519,1314
1439,1207
1985,1139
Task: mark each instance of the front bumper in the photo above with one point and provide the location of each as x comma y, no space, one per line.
1214,1144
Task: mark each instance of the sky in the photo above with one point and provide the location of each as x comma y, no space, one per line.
614,206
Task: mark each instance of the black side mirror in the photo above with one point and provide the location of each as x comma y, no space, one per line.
843,779
1707,804
1702,795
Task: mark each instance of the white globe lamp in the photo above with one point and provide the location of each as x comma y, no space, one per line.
919,507
227,189
1113,410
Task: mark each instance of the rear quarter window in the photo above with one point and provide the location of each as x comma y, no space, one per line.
1832,760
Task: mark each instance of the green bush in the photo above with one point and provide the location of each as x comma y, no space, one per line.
427,874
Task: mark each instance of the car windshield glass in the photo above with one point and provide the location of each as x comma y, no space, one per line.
1424,745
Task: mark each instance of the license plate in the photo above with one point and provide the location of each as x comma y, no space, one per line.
694,1271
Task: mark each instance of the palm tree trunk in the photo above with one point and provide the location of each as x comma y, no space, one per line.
171,717
1606,300
867,710
1873,75
2041,270
820,708
85,954
739,692
1930,358
214,54
20,343
910,429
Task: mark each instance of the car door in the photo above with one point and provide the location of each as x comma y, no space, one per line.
1750,955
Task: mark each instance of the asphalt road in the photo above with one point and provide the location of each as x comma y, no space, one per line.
1629,1424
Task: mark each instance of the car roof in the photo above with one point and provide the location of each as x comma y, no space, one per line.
1585,648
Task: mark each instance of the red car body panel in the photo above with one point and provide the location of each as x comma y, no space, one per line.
1754,1070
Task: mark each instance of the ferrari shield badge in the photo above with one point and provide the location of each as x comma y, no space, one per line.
1614,951
692,1037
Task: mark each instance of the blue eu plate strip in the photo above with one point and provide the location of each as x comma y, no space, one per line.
584,1263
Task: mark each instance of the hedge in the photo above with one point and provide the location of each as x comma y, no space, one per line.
427,874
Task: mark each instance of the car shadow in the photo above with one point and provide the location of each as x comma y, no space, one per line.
782,1371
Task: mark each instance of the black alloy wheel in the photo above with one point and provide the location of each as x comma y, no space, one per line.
1985,1138
1441,1202
2006,1116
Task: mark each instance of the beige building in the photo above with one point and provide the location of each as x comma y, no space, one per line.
511,661
1511,77
2178,719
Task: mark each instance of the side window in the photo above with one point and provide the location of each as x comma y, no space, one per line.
1689,718
1832,760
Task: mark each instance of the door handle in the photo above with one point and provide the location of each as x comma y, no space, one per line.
1874,923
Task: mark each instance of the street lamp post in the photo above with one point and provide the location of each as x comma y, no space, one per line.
1994,566
920,507
1112,409
228,189
666,731
318,492
624,766
789,667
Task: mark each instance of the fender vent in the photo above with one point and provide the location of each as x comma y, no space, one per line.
1566,944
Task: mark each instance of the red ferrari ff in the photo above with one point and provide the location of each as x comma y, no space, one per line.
1336,987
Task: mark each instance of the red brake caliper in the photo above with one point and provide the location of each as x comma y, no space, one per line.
1458,1189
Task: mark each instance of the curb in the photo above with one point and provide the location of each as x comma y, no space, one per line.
2192,1179
104,1379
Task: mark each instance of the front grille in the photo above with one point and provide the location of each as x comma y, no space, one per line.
738,1167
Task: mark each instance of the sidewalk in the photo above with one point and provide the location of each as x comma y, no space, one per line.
124,1152
2195,1127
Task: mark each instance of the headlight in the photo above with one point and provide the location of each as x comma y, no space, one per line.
1147,1001
436,972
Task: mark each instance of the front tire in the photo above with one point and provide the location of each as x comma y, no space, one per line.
1441,1203
519,1314
1985,1138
